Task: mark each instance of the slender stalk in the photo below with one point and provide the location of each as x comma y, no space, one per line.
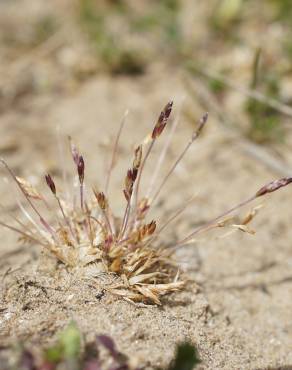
20,223
162,155
137,186
98,222
108,222
31,220
177,214
90,233
23,233
114,152
65,217
195,135
171,170
42,220
125,220
81,195
171,219
215,220
62,160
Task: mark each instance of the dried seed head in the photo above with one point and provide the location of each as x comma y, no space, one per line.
80,169
162,120
167,109
50,183
151,227
128,185
203,120
29,190
126,194
134,174
138,157
140,234
101,200
129,182
143,206
273,186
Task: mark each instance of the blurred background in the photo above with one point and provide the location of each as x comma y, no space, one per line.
50,49
231,57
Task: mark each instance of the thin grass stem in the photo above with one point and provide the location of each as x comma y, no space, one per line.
23,233
114,153
42,220
195,135
162,155
215,220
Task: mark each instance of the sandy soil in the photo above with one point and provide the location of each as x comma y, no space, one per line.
237,304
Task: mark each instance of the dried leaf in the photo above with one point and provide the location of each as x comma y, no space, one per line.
244,228
140,278
147,293
28,189
251,215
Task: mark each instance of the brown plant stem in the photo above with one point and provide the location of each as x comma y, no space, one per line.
114,153
171,219
42,220
137,186
65,218
23,233
195,135
162,155
215,220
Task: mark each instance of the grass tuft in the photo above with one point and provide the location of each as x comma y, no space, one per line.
86,235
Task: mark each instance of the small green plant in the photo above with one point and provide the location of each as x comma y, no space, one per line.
68,353
86,236
186,357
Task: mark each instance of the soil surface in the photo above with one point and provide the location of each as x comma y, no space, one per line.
236,306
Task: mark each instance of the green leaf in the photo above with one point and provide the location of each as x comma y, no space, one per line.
186,357
70,341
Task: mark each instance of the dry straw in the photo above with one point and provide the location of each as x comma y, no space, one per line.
87,236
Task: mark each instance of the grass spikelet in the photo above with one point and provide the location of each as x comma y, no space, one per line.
87,237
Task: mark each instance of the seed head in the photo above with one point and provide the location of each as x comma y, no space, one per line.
101,200
162,120
151,227
129,180
128,185
203,120
50,183
138,157
273,186
143,206
80,169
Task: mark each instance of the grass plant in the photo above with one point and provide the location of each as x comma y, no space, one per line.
85,235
